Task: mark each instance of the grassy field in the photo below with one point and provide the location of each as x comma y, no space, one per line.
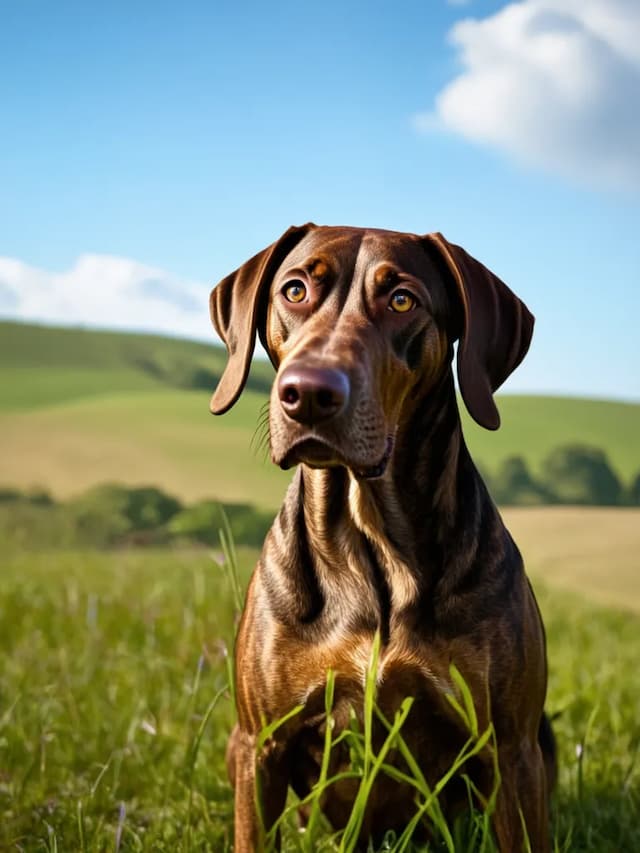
165,437
592,551
41,365
79,407
114,699
114,708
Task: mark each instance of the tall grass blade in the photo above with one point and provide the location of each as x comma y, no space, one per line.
230,560
324,767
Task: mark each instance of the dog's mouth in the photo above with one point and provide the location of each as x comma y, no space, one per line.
375,471
314,452
318,453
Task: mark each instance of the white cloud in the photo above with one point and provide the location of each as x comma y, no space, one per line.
554,83
106,292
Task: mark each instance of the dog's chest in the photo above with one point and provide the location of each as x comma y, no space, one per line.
398,670
428,732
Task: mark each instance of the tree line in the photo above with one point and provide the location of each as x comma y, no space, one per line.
572,474
112,515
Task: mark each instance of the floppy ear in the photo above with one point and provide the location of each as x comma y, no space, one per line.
495,330
235,304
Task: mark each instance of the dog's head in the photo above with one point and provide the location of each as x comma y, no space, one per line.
359,323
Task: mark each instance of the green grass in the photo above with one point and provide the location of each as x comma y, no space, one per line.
111,662
29,388
79,407
33,345
114,710
165,437
43,365
533,426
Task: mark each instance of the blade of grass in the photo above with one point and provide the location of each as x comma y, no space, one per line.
324,767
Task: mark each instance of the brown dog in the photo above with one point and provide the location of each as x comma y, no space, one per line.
387,526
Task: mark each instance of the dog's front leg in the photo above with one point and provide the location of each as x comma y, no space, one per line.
261,781
522,802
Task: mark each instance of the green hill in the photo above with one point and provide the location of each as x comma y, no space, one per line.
79,407
42,365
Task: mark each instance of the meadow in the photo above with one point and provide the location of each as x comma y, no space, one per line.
115,706
79,407
115,703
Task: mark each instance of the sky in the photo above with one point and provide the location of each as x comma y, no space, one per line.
148,149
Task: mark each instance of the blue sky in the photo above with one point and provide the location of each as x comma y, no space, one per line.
147,149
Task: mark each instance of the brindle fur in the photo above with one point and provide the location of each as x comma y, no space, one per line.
419,554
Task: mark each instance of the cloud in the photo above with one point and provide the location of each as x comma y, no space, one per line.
555,84
106,292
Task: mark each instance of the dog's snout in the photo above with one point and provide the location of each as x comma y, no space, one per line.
311,395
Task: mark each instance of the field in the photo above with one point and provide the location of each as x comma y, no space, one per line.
114,676
114,706
591,551
79,407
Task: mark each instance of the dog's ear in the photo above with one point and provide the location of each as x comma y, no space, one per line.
235,304
494,329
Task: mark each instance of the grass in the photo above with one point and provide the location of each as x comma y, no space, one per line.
112,662
42,365
114,678
163,437
114,708
532,426
79,407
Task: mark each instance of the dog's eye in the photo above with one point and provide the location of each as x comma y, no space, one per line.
295,291
402,301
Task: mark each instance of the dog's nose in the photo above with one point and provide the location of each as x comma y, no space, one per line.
311,395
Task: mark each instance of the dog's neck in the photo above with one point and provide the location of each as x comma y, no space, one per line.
408,537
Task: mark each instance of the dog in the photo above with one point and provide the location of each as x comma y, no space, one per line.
387,529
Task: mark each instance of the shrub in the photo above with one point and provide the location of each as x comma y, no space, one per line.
149,508
36,496
111,514
249,525
634,491
25,525
39,497
578,474
202,521
514,484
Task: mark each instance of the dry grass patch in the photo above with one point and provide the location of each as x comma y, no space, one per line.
591,550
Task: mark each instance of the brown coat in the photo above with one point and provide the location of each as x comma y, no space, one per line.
387,526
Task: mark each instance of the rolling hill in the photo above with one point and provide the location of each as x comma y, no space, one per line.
80,406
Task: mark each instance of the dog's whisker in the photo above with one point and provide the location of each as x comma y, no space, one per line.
260,440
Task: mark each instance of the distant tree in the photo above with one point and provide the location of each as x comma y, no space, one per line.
8,495
514,485
486,476
579,474
149,507
199,522
112,513
99,515
36,496
634,491
39,497
249,525
202,521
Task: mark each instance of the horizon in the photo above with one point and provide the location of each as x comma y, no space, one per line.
261,356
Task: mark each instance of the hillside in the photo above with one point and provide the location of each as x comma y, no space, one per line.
42,365
80,406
